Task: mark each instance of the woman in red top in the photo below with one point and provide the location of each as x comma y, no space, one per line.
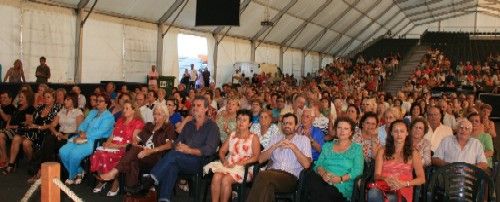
109,154
394,166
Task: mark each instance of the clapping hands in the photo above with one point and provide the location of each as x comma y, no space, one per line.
286,144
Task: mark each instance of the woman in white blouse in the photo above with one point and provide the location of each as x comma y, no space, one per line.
265,129
68,118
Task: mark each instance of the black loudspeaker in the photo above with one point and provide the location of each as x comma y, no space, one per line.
217,12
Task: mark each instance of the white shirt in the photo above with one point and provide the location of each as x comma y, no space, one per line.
450,151
436,136
81,101
406,106
147,114
67,120
449,120
193,74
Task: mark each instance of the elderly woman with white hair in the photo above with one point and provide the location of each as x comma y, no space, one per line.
146,149
460,148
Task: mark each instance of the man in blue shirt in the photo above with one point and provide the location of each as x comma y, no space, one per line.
199,138
314,134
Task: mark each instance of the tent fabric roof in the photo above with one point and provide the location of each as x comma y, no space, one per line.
326,26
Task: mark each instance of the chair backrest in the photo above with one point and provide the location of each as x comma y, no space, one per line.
460,181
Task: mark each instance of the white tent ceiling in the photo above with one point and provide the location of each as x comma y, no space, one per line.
327,26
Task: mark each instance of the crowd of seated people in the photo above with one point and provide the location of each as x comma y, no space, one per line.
331,126
436,70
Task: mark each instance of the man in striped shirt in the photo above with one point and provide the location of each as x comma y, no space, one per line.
288,153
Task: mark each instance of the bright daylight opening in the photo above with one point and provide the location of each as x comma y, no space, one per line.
192,50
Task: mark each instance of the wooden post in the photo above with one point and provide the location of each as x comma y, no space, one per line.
50,191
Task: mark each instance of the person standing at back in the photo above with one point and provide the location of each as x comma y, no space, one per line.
153,76
193,76
206,77
42,71
15,74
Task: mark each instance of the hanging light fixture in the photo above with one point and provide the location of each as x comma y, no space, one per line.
267,22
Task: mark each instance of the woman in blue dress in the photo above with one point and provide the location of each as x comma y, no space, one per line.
98,124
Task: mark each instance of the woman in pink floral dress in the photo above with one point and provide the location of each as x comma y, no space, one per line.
242,147
109,154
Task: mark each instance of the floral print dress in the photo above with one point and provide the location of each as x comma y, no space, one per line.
105,159
239,150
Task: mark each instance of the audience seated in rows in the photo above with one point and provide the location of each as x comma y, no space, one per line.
300,125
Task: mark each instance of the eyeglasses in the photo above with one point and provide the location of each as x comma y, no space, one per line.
99,100
464,128
170,105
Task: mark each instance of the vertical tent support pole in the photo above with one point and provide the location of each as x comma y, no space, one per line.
281,59
252,51
159,49
77,76
215,55
303,63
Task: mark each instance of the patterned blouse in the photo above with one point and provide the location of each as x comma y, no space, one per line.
367,145
264,139
221,122
424,148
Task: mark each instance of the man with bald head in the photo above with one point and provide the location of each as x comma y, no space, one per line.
460,148
437,130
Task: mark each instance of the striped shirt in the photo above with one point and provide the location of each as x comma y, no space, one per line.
284,158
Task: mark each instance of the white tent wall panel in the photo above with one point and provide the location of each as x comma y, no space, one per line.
10,19
380,8
250,20
231,50
402,25
274,4
346,20
304,8
386,17
358,27
418,30
486,23
462,23
350,47
331,12
395,20
364,5
117,49
292,61
48,31
140,52
327,59
102,51
307,34
268,54
344,39
312,63
323,43
368,32
283,28
170,55
147,9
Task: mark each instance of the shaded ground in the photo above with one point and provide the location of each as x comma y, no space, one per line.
14,186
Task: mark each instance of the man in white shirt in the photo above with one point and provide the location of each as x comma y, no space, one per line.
448,119
460,148
146,112
437,131
193,75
